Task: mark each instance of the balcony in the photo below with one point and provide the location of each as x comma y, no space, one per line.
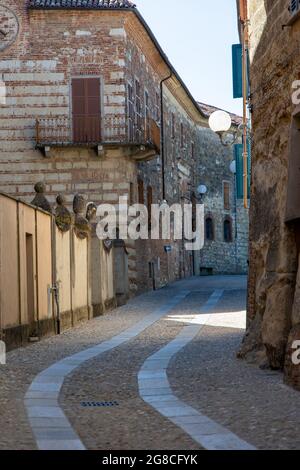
142,142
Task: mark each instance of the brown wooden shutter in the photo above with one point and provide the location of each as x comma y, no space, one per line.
86,110
226,190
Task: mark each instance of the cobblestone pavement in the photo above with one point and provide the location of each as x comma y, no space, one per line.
205,374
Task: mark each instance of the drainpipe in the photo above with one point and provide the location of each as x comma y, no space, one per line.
55,287
162,135
245,45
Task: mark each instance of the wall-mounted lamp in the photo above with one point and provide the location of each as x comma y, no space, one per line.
220,122
201,190
232,167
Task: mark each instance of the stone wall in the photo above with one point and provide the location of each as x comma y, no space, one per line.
272,319
219,256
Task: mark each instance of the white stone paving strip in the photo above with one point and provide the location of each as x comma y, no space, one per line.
155,390
49,424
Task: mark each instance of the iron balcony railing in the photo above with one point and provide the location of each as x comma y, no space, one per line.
91,130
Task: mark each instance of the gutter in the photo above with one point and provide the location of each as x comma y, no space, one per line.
162,134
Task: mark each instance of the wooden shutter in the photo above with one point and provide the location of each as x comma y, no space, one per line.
226,194
86,110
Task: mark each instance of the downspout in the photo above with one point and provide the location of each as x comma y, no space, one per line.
245,46
55,286
162,135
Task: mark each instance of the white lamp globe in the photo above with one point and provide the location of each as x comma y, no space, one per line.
220,121
202,189
233,167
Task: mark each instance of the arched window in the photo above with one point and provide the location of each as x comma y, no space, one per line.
227,231
209,228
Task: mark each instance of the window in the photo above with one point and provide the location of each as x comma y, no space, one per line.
181,135
227,231
173,126
157,108
141,191
130,111
149,204
226,195
209,228
131,194
147,116
138,106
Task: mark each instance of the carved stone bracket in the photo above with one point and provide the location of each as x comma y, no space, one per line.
40,199
63,217
82,226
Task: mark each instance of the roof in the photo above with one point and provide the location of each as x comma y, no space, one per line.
81,4
207,110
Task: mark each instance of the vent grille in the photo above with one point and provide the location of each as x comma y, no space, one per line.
98,404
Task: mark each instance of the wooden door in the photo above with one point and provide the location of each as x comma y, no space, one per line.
86,110
30,279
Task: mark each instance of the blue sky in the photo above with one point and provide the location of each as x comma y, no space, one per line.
197,36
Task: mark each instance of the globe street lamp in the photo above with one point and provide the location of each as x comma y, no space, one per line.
202,190
220,122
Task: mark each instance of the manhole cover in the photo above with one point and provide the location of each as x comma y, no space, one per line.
99,404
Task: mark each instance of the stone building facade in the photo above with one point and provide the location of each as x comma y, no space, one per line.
84,85
226,220
273,302
90,105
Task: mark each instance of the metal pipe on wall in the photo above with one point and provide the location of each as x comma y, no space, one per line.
162,134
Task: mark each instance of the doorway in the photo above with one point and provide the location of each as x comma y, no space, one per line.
30,279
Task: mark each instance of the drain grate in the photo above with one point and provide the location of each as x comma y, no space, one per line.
99,404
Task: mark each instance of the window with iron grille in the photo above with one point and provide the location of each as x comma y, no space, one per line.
193,150
173,126
209,228
227,231
182,135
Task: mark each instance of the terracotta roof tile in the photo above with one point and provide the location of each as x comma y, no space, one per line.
207,110
72,4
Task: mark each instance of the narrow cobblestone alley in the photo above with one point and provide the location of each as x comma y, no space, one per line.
193,329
